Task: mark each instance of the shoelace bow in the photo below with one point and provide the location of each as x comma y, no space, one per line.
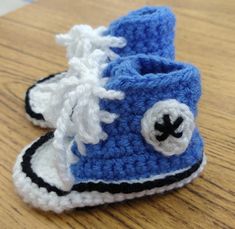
80,42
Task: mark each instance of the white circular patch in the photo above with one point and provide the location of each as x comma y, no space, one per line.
173,140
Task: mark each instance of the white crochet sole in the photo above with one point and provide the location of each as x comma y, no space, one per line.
39,197
35,101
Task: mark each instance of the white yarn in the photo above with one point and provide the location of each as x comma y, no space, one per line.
175,109
82,40
81,115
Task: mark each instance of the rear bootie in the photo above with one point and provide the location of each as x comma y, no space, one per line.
149,30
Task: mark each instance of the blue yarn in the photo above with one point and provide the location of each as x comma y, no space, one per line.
125,155
149,30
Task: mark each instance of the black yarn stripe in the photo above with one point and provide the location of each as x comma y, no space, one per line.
167,128
28,108
177,122
100,186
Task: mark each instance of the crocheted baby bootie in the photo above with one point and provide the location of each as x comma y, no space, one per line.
149,30
131,137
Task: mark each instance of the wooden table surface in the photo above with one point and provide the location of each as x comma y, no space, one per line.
204,36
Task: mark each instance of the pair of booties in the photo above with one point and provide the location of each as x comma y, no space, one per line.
124,117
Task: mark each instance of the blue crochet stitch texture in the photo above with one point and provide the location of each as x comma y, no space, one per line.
125,155
149,30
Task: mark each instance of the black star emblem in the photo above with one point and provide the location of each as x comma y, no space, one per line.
167,128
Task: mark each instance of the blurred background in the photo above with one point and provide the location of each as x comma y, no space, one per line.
7,6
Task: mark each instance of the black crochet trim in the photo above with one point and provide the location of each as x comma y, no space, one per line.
100,186
28,108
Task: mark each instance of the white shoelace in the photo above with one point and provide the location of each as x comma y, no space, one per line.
75,98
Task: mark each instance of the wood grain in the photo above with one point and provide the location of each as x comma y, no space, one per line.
205,36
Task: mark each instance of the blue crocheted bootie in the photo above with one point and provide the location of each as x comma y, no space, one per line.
149,30
148,142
